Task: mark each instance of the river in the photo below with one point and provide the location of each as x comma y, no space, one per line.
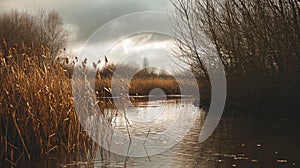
238,141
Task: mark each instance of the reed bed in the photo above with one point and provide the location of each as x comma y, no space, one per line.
142,86
39,125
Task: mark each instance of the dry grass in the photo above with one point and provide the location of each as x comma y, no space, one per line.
37,118
39,125
143,82
143,86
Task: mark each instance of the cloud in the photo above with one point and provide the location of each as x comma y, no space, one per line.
83,17
72,31
140,42
156,47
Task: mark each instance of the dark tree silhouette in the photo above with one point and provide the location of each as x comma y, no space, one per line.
33,30
257,41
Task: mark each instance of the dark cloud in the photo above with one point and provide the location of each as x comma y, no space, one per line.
84,17
91,17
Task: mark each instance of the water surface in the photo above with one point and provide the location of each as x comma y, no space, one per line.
236,142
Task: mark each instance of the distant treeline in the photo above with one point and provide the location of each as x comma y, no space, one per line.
140,82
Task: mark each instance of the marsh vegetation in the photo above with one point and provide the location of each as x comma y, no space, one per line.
258,42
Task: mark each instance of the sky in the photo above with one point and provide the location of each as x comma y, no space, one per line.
83,17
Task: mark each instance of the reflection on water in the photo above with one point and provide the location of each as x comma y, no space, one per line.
236,142
154,117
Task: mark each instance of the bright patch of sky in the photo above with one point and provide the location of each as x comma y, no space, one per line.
156,48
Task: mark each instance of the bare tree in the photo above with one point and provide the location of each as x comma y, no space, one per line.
145,64
257,41
55,35
32,30
186,32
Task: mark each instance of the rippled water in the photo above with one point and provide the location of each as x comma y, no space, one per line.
236,142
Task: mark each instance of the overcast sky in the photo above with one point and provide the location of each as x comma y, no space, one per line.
84,17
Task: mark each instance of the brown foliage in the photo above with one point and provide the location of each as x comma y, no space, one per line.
37,115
